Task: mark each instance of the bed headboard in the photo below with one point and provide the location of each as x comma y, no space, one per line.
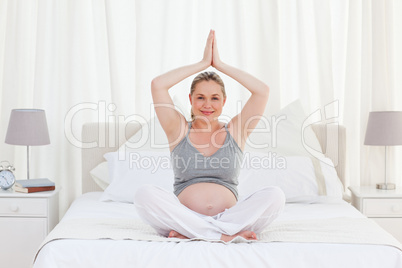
104,134
331,137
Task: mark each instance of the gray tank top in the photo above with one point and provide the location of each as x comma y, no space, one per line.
191,167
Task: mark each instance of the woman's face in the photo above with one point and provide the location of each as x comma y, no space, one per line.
207,100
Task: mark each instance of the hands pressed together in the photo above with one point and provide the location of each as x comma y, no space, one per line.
211,54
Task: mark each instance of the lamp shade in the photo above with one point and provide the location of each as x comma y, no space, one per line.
384,128
27,127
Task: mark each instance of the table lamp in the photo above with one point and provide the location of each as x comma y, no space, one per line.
27,127
384,129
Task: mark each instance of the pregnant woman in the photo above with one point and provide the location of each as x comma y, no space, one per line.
206,156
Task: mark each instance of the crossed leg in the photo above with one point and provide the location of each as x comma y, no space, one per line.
164,212
248,235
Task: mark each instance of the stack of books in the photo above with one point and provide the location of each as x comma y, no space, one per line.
34,185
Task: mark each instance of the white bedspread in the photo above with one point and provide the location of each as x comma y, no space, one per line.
334,230
332,235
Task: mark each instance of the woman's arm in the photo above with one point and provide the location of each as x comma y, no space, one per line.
244,123
254,85
169,118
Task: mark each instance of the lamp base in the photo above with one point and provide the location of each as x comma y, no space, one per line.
385,186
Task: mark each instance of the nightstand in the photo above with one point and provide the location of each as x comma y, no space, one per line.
25,220
383,206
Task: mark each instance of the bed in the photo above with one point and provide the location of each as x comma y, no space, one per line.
324,232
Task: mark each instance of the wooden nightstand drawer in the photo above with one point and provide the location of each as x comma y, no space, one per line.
382,207
23,207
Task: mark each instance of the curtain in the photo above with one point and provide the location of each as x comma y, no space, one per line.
83,60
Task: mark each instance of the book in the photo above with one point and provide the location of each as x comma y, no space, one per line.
34,183
33,189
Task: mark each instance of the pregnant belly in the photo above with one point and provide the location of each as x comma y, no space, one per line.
207,198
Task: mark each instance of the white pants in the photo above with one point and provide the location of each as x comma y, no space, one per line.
164,212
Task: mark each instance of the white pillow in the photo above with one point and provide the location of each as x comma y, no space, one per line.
284,133
295,175
150,137
100,174
135,170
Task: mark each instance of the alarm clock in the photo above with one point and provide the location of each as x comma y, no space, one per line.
7,178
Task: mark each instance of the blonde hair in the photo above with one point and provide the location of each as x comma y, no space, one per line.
207,76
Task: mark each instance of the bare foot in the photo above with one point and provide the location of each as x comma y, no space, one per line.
248,235
174,234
